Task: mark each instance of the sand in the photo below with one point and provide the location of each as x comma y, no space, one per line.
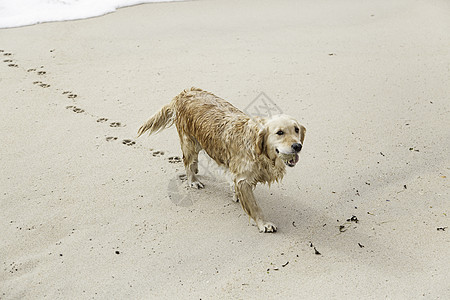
89,211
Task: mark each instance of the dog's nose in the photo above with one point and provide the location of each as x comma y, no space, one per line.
297,147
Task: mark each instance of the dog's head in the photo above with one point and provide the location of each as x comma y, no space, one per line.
281,137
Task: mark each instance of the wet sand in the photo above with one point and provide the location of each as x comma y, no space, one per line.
89,211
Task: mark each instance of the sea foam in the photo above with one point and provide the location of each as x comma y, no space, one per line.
15,13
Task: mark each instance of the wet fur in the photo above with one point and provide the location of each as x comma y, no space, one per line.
231,138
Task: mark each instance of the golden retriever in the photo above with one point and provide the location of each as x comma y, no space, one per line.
253,150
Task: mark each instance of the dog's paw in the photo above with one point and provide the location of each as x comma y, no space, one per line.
197,185
267,227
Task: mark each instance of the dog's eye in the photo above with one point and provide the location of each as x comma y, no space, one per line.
280,132
296,130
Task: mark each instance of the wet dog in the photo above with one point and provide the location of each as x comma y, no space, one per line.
253,150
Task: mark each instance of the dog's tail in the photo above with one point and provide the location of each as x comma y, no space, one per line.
162,119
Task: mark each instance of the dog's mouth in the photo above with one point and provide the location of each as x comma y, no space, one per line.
290,159
293,161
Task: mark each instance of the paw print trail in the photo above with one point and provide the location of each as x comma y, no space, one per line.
39,75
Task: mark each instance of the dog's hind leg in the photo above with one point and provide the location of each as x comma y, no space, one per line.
190,148
244,192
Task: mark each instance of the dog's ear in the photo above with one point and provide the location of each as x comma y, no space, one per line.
261,145
302,133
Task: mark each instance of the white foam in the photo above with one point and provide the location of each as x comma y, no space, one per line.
15,13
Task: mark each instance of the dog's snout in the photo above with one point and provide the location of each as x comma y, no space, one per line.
297,147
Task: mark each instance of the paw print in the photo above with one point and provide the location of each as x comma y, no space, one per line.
128,142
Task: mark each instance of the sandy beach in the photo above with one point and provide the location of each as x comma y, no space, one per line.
87,211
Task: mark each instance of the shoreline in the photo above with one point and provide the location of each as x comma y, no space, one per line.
73,18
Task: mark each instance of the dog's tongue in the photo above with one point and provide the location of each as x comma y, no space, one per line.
292,162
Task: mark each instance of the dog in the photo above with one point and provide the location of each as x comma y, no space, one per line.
252,149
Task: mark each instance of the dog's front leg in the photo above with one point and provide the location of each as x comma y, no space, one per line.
244,192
